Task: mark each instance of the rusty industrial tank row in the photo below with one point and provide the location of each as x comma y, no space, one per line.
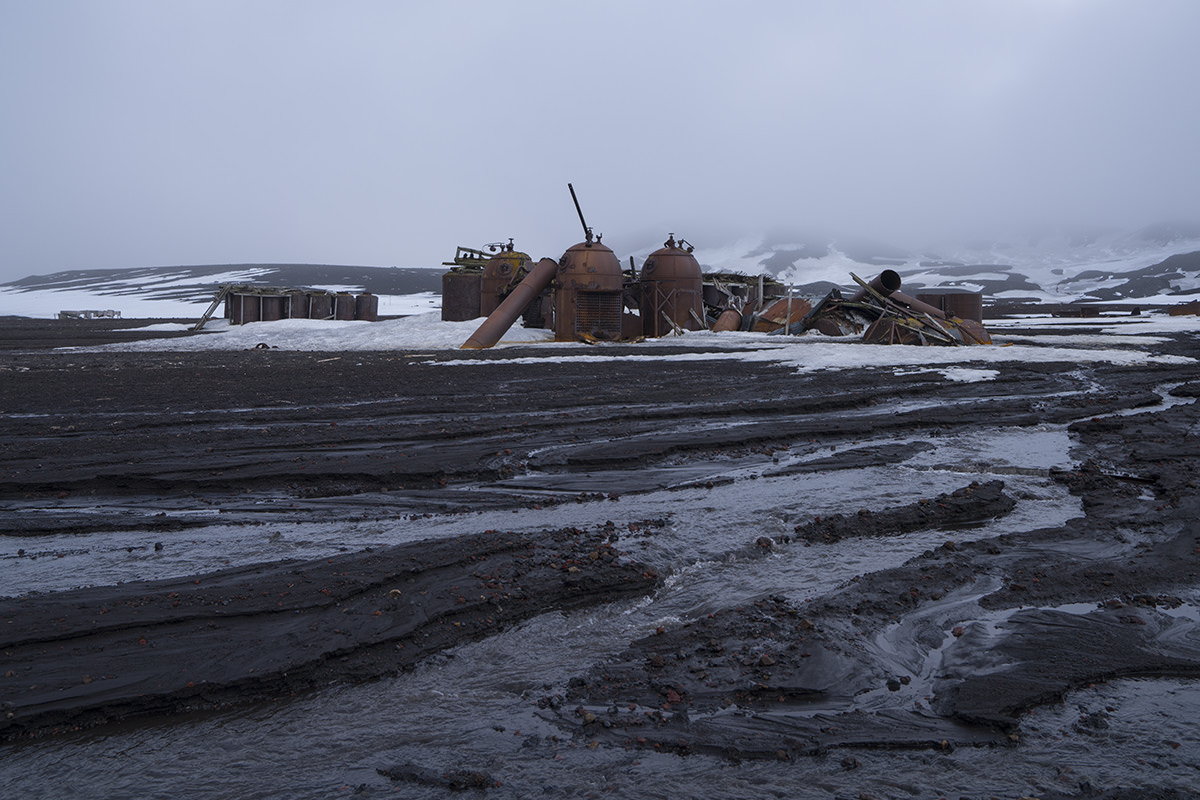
253,304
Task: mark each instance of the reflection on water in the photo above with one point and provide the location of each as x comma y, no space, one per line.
476,707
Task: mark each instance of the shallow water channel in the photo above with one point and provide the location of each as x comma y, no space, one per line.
475,707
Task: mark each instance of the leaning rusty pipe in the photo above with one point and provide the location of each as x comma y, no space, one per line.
500,320
885,283
918,305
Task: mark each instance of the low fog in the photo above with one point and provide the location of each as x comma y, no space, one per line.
144,133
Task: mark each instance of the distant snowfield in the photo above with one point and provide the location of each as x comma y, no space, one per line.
46,304
1117,340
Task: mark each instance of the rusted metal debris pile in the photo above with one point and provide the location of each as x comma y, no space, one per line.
885,315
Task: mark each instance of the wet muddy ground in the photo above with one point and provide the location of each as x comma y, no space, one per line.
394,573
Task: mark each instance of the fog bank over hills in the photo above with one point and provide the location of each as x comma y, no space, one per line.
1157,264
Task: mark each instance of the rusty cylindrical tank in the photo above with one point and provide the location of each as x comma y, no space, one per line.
246,308
366,307
501,274
672,290
587,297
460,295
962,304
297,305
272,307
320,305
343,306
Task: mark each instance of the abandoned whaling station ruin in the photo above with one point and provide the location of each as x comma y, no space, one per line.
587,295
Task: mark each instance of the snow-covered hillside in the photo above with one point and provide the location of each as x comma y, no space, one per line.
186,291
1154,265
1159,264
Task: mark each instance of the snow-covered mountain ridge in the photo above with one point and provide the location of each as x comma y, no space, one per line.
1159,265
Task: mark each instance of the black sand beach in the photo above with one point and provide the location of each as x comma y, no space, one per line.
387,434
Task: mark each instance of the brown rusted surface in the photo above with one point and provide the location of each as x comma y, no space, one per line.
671,290
297,305
781,313
883,284
961,304
500,320
730,320
888,330
587,294
460,295
501,275
320,306
343,305
366,307
1186,309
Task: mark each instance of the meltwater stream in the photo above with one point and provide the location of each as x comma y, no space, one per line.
476,708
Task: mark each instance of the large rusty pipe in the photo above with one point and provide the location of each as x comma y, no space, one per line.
500,320
918,305
885,283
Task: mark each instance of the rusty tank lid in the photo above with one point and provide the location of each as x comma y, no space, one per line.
507,263
590,257
672,262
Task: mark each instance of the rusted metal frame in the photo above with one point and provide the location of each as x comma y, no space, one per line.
797,328
919,330
935,324
221,294
678,331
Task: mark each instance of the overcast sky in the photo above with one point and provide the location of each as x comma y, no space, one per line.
144,132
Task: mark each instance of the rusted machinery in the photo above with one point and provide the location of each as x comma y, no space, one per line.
478,281
592,299
588,288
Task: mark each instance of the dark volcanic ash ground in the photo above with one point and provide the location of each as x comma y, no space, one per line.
665,577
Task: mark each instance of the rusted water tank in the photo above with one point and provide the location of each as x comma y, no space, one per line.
246,308
587,296
366,307
460,295
343,306
501,273
955,303
672,290
320,305
272,307
297,305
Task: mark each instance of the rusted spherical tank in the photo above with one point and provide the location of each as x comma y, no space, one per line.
672,290
961,304
320,306
343,306
587,294
501,273
366,307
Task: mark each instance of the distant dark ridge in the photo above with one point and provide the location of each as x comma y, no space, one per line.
196,283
